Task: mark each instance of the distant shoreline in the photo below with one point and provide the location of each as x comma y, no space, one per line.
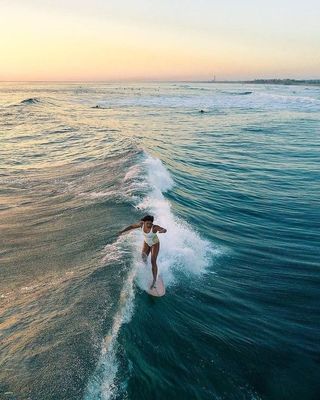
274,81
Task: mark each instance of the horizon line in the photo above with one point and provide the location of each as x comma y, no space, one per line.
153,80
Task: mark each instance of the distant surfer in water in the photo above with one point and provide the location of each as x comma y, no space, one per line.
151,242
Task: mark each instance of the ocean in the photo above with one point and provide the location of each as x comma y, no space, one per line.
237,187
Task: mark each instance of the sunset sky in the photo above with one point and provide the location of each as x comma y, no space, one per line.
159,40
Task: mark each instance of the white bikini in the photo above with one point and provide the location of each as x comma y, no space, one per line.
150,238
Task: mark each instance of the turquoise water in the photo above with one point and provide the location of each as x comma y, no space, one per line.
236,186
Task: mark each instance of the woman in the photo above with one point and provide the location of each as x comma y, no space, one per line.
151,242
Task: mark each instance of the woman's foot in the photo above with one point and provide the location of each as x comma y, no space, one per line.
153,285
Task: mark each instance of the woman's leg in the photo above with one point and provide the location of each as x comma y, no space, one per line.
145,252
154,254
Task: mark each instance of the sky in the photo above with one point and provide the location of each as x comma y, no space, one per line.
98,40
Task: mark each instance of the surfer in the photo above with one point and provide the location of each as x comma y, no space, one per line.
151,242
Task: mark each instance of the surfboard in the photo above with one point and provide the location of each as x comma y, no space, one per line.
159,290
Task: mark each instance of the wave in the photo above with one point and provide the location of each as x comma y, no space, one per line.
243,93
31,100
182,251
237,93
25,102
193,88
252,129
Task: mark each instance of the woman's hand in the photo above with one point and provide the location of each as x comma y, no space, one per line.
128,228
160,229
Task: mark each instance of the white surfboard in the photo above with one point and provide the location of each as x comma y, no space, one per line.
159,290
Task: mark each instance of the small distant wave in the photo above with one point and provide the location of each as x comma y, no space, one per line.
253,129
31,100
25,102
237,93
193,88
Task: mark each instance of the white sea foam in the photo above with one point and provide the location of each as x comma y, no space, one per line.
181,249
102,383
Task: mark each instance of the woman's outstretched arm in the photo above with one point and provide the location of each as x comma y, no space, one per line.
128,228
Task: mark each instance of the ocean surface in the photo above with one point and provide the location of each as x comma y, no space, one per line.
237,187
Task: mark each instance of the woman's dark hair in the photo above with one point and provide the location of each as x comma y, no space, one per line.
147,218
